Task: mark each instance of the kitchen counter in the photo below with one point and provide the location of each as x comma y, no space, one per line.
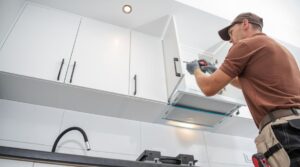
69,159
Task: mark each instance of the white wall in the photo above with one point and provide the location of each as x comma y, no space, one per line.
294,50
9,10
281,17
35,127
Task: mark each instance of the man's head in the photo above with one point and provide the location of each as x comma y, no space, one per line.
243,26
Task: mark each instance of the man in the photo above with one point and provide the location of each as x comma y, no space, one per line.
269,77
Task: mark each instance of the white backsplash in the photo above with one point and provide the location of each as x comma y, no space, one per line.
36,127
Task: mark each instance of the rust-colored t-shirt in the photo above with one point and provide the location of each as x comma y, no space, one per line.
267,72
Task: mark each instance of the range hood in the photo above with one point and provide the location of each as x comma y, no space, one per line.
191,106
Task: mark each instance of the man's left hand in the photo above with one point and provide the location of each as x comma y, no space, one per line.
192,66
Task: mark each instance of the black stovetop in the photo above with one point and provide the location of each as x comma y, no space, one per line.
156,157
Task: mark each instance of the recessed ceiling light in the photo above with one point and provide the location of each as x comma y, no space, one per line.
127,9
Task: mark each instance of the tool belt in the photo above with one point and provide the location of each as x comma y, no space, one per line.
272,116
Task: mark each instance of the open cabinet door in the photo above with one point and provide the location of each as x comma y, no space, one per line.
171,57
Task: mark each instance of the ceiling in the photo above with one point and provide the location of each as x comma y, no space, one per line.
154,12
110,11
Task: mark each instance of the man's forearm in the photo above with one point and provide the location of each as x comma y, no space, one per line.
212,84
202,81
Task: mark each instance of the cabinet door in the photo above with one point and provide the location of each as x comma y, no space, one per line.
100,58
147,73
40,40
171,56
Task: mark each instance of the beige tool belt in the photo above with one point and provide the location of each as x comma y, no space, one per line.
266,139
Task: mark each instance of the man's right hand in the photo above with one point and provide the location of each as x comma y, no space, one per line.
206,66
209,68
202,64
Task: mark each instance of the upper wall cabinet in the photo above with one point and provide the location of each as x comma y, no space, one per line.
40,44
198,38
171,57
147,73
188,103
54,45
100,58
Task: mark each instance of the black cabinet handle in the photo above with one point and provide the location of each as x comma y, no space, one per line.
176,73
73,72
61,65
135,85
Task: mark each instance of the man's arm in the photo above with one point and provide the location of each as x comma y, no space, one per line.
211,85
236,83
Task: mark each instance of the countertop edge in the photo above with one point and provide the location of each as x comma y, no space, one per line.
49,157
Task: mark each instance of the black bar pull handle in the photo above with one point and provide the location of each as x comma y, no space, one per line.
135,84
176,73
73,72
61,65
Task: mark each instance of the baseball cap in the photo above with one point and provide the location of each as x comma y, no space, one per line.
252,18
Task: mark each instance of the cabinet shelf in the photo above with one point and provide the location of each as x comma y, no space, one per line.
70,97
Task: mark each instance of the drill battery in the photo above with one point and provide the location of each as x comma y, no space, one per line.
259,160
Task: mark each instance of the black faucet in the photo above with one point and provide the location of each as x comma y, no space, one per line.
67,130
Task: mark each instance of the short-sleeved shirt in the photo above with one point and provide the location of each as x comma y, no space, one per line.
268,74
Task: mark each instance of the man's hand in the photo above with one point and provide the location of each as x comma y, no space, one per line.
202,64
209,68
192,66
206,66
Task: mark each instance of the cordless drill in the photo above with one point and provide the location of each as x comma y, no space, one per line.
206,66
259,160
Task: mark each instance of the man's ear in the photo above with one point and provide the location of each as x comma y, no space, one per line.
246,24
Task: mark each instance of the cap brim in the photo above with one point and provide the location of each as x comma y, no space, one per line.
224,33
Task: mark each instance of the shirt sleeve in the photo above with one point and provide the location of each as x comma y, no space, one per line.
236,59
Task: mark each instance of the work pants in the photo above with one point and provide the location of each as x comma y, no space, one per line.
285,132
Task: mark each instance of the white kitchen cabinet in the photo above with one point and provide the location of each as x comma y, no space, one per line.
171,57
100,59
14,163
147,73
40,44
43,41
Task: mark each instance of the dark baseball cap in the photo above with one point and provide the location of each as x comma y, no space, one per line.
252,18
